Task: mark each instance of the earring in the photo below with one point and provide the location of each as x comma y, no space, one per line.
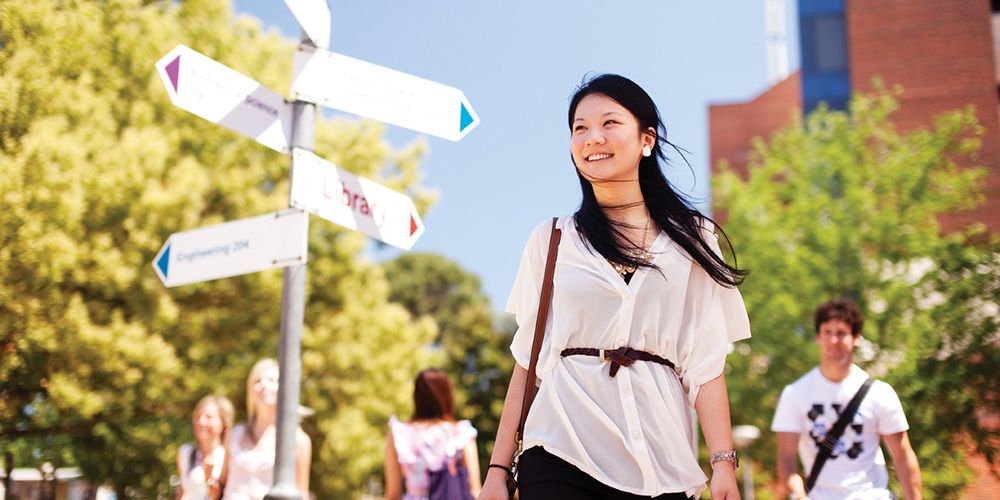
646,151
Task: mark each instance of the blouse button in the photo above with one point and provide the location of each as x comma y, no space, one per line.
635,435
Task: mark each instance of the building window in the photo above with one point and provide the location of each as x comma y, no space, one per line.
824,44
825,64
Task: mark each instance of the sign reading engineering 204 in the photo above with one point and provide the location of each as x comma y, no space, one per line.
234,248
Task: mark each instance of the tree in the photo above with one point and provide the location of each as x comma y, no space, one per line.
843,204
101,365
473,343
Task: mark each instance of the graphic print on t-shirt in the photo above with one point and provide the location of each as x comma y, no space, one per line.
823,419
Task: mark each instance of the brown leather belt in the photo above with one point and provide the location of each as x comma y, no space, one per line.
623,356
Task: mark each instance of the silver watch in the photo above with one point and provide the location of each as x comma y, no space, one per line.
726,456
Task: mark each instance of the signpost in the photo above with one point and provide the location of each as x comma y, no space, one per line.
362,88
221,95
314,17
341,197
233,248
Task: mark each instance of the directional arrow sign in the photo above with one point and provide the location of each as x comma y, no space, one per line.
314,17
386,95
225,96
353,202
239,247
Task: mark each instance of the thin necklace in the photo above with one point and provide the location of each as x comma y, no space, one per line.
637,254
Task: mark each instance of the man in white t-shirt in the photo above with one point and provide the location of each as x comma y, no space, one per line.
810,406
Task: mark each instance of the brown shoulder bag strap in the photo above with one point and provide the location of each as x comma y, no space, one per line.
543,313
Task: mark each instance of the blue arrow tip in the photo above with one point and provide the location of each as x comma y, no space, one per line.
164,261
466,119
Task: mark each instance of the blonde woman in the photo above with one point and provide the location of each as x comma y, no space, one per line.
249,465
199,464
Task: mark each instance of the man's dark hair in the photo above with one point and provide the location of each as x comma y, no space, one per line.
840,309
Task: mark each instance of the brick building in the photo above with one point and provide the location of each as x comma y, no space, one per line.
943,53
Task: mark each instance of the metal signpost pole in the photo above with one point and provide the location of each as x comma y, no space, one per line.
221,95
293,300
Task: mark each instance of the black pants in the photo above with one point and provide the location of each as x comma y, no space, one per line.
542,476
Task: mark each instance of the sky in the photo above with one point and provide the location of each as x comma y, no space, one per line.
518,62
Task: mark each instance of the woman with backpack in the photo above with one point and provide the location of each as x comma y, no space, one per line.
199,464
432,456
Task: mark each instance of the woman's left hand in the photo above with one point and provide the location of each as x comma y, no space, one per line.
723,485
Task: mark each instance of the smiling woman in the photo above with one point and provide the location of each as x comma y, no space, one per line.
611,115
199,465
602,128
639,285
249,465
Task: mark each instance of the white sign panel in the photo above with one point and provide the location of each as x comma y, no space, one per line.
384,94
314,17
353,202
233,248
225,96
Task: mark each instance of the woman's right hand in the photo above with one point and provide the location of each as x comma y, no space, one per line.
495,487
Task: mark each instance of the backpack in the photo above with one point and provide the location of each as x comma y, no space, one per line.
450,482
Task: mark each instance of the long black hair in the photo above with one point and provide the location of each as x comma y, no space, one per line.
668,209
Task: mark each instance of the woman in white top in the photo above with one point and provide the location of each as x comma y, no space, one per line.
643,310
249,468
199,465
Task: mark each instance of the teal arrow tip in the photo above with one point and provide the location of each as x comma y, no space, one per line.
164,261
466,119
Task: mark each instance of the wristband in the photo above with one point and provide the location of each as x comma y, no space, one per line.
498,466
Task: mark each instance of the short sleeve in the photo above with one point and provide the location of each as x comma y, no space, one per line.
891,419
733,309
463,433
524,295
785,419
714,316
236,436
185,457
402,438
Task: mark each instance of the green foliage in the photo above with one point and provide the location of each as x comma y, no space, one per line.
473,344
100,364
843,204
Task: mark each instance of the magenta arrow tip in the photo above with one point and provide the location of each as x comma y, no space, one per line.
173,70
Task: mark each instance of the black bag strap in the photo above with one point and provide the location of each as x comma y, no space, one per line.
194,456
830,441
543,313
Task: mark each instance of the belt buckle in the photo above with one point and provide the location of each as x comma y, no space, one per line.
601,355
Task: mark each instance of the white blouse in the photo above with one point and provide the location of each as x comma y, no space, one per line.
251,467
631,432
193,480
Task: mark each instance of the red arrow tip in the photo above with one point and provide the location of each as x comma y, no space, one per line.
413,225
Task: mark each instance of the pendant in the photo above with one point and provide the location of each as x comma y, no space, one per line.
623,269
